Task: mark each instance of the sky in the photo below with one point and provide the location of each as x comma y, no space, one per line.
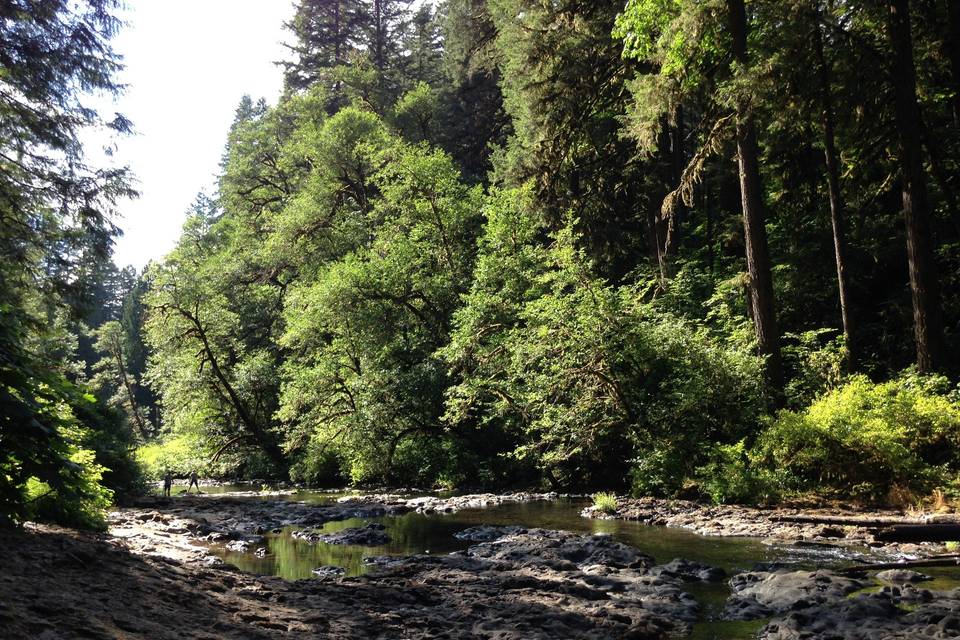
188,63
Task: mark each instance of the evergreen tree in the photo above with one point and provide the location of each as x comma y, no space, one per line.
326,33
924,284
384,24
425,46
56,231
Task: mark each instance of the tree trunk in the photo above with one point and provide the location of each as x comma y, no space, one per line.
131,396
837,208
924,288
919,533
662,222
755,233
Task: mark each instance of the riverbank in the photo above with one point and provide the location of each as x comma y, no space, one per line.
152,576
155,575
836,526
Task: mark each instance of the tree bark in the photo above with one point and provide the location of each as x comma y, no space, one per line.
660,222
924,287
837,208
754,230
131,396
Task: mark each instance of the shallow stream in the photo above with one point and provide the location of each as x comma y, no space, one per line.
415,533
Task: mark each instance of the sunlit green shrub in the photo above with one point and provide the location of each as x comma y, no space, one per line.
816,364
605,502
82,505
865,438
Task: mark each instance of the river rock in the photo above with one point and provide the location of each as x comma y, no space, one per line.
487,533
601,577
763,594
328,571
371,535
869,616
902,576
561,550
690,571
238,546
432,504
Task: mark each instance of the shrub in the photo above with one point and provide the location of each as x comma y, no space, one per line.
728,476
590,378
82,505
816,364
605,502
863,438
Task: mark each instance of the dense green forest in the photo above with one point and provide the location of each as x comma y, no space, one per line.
674,247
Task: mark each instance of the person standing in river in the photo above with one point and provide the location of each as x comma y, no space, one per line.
194,482
167,484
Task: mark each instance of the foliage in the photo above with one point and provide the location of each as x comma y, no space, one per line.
56,230
819,365
728,476
180,455
491,243
605,502
864,438
584,375
362,375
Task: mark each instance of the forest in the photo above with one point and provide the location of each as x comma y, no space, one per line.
700,248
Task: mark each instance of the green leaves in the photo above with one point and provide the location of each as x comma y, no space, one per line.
55,238
580,375
865,438
362,375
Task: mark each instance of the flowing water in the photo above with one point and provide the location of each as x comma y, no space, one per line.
415,533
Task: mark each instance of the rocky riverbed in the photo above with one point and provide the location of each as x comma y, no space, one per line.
154,576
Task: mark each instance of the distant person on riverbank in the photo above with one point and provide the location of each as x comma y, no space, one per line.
167,483
194,482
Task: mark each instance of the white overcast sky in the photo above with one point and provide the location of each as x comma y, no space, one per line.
188,63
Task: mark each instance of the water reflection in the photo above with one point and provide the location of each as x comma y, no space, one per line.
415,533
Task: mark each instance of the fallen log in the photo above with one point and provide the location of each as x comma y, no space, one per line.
952,560
931,532
850,521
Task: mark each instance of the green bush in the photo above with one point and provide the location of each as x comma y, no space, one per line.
605,502
815,363
317,466
863,439
83,505
728,477
589,378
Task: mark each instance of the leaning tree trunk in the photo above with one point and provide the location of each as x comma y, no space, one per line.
754,230
836,198
924,288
